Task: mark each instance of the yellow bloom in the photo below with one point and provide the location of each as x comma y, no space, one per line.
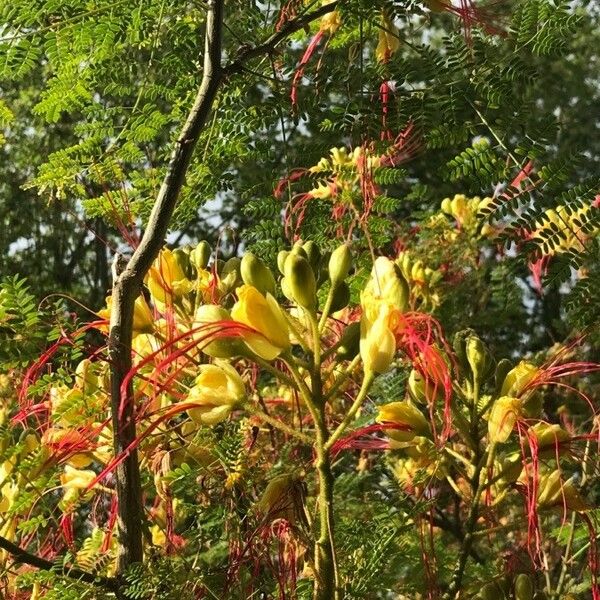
264,315
403,413
518,378
385,285
331,21
548,437
218,389
74,481
389,41
143,321
555,492
166,279
506,411
377,340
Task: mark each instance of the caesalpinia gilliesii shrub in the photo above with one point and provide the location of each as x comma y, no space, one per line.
292,359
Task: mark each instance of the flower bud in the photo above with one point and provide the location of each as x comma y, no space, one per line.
459,344
301,282
349,342
339,264
523,587
313,254
298,249
478,358
255,273
502,368
281,258
183,260
548,438
200,255
341,297
278,499
505,412
230,276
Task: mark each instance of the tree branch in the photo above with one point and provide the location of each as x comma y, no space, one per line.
128,286
22,556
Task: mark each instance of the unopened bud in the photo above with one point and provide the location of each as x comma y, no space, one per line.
255,273
349,342
478,358
314,255
200,255
281,258
341,297
301,282
339,264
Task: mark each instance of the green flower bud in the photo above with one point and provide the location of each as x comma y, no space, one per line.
478,357
200,255
349,342
523,587
459,344
183,260
230,275
341,297
314,255
339,264
219,265
255,273
301,281
502,369
281,258
298,249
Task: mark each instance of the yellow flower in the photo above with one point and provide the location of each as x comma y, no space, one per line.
385,285
166,279
74,481
331,21
377,340
555,492
403,413
506,411
549,437
518,378
218,389
389,41
143,321
265,316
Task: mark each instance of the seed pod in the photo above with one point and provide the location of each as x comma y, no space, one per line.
255,273
349,342
523,587
341,297
301,281
339,264
281,258
200,255
314,255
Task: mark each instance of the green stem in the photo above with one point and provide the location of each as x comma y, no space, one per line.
342,378
325,561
